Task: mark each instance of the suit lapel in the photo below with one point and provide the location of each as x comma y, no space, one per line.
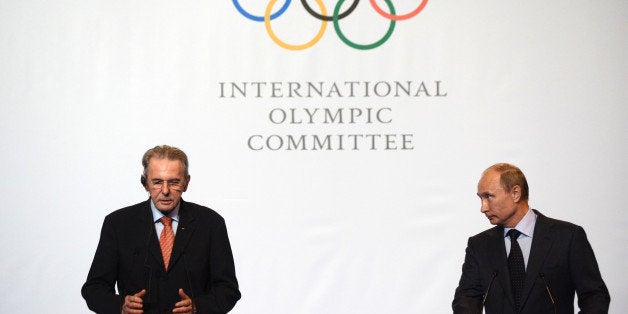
185,230
541,244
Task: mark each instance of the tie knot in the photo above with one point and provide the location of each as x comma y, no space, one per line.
513,234
166,221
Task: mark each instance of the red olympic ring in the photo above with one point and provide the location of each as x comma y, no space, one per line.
398,17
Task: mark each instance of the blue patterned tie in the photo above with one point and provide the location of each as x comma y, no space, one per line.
516,267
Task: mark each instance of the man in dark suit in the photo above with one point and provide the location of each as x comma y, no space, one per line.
165,255
536,268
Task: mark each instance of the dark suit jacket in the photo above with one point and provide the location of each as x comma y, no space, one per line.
560,253
128,254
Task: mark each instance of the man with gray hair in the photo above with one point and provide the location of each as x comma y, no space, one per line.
165,255
527,263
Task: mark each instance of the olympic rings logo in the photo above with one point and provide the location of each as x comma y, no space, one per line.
324,18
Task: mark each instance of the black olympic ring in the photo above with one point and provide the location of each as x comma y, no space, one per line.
327,17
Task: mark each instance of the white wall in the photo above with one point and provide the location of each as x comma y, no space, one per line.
87,86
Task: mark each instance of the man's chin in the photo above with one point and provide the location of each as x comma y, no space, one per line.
165,208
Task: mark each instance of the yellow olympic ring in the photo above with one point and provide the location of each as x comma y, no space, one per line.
279,42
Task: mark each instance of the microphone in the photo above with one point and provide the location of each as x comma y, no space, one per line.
489,287
147,298
187,276
136,253
549,293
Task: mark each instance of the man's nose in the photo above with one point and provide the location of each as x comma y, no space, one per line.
484,206
165,188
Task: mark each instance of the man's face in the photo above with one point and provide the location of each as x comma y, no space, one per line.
165,183
498,205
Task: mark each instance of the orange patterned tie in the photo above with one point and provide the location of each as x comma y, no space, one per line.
166,239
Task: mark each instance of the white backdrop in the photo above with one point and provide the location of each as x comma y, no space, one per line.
87,86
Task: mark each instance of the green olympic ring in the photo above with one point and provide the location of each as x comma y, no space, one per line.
351,44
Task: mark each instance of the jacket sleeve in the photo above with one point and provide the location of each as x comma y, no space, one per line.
99,288
223,290
468,295
593,296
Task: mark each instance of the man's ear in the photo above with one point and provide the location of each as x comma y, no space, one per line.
185,186
515,193
143,181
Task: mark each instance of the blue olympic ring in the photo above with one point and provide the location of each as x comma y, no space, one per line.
261,18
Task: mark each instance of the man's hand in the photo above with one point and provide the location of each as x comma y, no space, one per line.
133,303
185,305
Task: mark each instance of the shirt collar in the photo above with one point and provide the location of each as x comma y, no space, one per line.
174,214
526,225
